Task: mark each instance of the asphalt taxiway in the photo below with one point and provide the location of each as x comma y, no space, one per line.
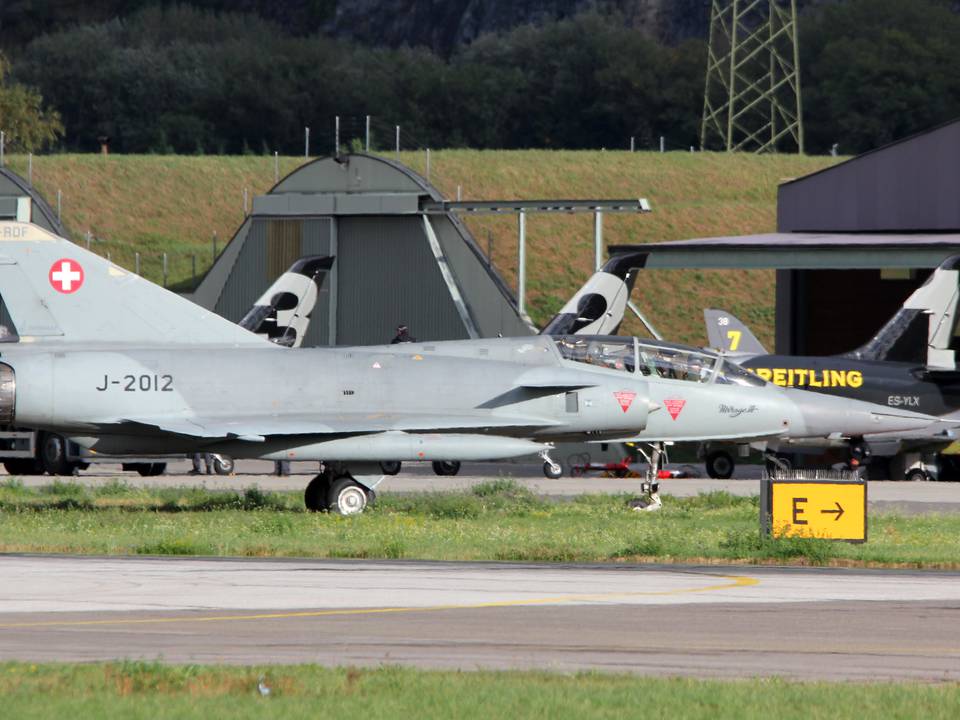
831,624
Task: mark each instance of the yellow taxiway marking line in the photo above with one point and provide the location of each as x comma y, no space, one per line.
735,582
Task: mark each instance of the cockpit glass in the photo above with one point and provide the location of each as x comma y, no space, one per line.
614,353
732,374
675,363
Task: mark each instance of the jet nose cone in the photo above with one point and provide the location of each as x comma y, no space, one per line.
825,415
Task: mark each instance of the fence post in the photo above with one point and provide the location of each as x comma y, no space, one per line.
663,144
164,269
245,201
88,235
366,142
398,143
136,262
597,239
632,143
3,142
522,261
336,136
428,163
306,142
276,167
459,195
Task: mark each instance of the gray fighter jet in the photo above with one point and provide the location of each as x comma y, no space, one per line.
121,365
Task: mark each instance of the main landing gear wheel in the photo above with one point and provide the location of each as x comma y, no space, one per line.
316,496
917,475
151,469
720,465
347,497
446,467
53,455
391,467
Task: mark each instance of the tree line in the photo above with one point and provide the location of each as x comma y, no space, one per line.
179,79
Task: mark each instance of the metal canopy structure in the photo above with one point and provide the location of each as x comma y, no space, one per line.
751,96
801,251
502,207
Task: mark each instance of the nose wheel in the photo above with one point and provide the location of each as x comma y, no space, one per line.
551,469
649,499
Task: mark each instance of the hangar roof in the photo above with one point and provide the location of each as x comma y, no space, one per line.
796,251
908,186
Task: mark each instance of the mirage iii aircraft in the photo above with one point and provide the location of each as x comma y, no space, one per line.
910,363
123,366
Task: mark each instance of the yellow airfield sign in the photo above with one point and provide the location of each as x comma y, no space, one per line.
829,509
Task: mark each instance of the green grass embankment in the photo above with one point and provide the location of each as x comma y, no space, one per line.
495,521
153,690
174,204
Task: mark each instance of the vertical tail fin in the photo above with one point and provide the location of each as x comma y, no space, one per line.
726,333
57,292
597,308
921,331
282,313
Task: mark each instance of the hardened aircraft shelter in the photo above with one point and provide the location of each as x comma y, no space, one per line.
397,260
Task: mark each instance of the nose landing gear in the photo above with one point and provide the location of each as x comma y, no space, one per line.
650,500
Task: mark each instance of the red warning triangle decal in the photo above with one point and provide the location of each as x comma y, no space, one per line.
674,406
624,399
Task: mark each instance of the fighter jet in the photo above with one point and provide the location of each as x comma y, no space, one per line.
910,363
122,366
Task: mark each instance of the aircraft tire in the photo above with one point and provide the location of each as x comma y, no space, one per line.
391,467
917,475
720,465
347,497
551,471
152,469
316,496
23,466
53,455
223,465
446,468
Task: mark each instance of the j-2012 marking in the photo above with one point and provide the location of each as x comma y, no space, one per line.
139,383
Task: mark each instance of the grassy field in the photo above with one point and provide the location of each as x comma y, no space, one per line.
153,690
496,521
174,204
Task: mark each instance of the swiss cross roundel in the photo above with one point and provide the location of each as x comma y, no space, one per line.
66,276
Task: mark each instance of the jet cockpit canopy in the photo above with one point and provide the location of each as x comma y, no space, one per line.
653,359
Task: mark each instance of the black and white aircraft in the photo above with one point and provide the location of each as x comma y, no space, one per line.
910,363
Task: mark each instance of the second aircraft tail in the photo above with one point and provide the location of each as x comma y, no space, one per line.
598,306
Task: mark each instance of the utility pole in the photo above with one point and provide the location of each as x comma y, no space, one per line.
751,98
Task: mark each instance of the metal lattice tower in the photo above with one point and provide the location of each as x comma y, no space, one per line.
752,95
